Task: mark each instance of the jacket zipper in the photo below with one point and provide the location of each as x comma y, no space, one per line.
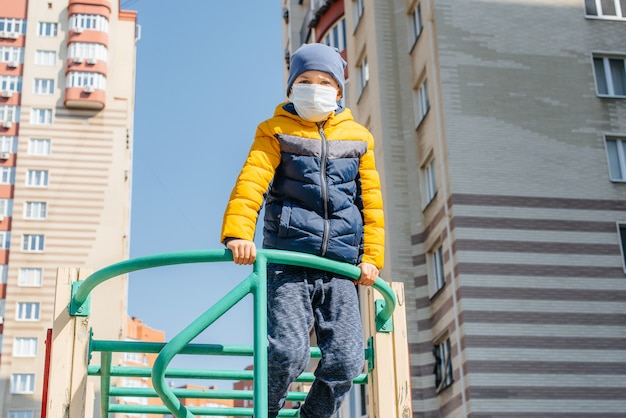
324,186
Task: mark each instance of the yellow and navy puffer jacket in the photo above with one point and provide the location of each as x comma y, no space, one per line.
321,189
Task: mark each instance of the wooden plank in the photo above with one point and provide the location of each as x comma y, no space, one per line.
402,366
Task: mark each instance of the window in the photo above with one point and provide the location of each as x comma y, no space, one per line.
364,75
616,155
610,76
38,146
5,240
443,365
10,83
6,207
438,275
43,86
32,243
622,240
88,21
25,347
605,8
336,35
358,7
45,57
429,180
27,311
12,26
7,175
21,414
81,79
8,143
4,273
422,103
47,29
88,51
30,277
416,22
35,210
9,114
41,117
12,54
22,383
37,178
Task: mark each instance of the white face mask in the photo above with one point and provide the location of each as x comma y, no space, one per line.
314,102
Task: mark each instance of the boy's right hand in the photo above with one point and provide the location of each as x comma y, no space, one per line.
244,251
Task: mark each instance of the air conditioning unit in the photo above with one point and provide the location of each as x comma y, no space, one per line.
78,29
1,218
1,319
92,61
7,93
5,155
13,35
13,64
7,124
78,60
89,89
4,34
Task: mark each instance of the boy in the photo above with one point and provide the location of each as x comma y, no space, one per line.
315,166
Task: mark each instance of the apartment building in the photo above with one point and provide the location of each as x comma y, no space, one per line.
500,128
66,133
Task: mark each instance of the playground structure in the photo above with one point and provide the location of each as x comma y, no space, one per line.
68,393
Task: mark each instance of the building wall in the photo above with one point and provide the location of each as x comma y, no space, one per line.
88,192
524,213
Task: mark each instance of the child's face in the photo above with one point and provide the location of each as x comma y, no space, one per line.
318,77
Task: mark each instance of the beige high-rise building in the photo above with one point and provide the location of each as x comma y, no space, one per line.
67,78
501,143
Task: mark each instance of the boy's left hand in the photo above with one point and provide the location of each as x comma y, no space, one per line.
369,274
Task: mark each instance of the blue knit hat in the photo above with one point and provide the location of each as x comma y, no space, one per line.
318,57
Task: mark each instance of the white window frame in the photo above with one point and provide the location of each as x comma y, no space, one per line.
11,83
336,35
363,75
43,86
39,146
41,116
4,274
417,24
33,243
8,143
35,210
6,207
22,383
616,157
422,102
24,347
30,277
621,235
358,7
7,175
620,14
605,74
9,113
88,51
82,21
437,269
12,26
44,57
429,181
27,311
47,29
14,54
84,78
37,178
5,240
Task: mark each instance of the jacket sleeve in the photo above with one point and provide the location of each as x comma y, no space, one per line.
245,201
373,215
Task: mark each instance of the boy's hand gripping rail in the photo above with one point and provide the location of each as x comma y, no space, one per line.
255,283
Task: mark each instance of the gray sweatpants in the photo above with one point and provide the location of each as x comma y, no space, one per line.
297,300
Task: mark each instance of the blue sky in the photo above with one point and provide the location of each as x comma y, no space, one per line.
207,74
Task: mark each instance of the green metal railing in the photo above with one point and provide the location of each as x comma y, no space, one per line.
254,284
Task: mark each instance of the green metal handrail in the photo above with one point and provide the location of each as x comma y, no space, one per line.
255,283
